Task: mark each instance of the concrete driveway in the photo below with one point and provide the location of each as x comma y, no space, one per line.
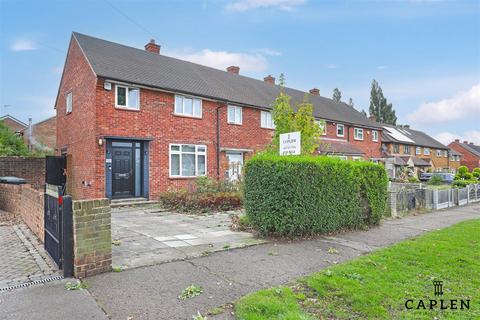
148,236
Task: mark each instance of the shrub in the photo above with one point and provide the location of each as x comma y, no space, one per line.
303,195
463,183
412,179
435,180
476,173
185,201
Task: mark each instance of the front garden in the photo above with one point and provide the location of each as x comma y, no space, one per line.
378,285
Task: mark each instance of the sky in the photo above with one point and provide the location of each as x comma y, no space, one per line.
425,54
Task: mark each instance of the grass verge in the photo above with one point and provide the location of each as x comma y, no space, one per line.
376,286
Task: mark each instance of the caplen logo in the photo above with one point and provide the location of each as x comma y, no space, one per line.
453,304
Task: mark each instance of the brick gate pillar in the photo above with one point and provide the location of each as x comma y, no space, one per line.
92,239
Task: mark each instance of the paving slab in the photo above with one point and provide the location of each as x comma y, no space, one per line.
149,236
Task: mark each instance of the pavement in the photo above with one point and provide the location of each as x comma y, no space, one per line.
148,236
23,259
152,292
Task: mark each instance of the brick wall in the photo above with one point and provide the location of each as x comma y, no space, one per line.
44,135
91,237
25,202
76,130
30,169
13,125
468,159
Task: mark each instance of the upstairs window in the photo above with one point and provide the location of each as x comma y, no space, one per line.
374,135
358,134
127,97
418,150
426,151
266,120
396,148
188,106
234,115
445,153
69,102
340,130
188,160
406,149
439,153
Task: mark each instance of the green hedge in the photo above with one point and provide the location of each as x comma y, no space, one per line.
305,195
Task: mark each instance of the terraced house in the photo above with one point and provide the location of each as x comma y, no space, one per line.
135,123
406,149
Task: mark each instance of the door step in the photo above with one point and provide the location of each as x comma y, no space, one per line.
131,202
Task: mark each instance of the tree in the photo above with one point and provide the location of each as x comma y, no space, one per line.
350,103
380,109
10,143
287,120
337,95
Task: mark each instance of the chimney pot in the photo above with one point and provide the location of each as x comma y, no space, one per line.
269,79
315,92
471,143
233,69
457,140
466,142
152,47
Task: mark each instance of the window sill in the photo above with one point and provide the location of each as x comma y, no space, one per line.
67,113
267,128
186,116
234,123
357,139
126,109
183,178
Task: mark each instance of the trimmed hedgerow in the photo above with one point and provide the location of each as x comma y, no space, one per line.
305,195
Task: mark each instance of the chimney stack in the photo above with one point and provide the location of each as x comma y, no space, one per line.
315,92
457,140
471,143
466,142
269,79
152,47
233,69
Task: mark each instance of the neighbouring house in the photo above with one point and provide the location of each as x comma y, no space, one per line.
408,152
13,123
134,123
41,136
470,153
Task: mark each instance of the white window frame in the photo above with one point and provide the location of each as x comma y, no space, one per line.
180,152
183,114
445,153
357,158
439,153
340,157
418,150
69,106
126,97
406,149
356,132
426,151
375,135
343,130
235,120
264,114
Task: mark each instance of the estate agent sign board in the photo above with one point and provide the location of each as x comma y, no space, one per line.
290,143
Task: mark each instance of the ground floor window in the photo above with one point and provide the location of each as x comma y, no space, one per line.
188,160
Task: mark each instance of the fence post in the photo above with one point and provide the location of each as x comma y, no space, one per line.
435,199
468,193
393,203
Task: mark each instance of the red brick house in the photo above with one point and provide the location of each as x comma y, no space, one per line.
42,136
135,123
13,123
470,153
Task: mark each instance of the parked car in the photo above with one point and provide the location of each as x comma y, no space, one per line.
446,177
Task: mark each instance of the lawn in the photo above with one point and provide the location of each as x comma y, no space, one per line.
376,286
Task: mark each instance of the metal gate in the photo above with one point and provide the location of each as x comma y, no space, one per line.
58,215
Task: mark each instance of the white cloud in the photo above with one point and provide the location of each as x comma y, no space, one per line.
381,67
267,52
461,106
470,136
331,66
245,5
23,44
223,59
